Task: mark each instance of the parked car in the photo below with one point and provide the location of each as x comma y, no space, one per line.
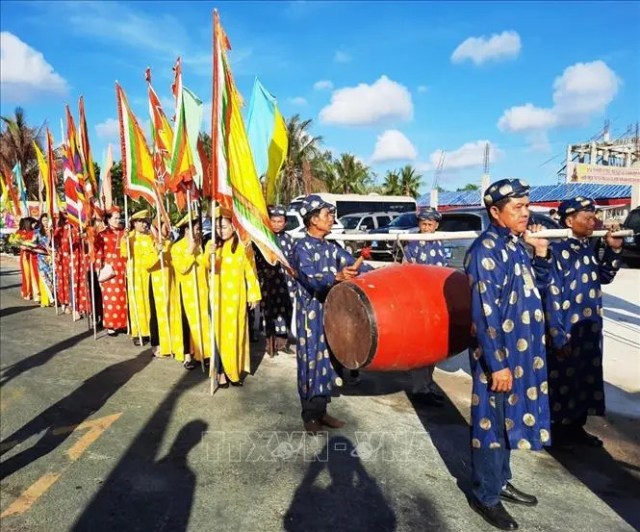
364,222
475,219
631,249
386,250
295,226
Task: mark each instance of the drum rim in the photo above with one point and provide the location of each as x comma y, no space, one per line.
362,295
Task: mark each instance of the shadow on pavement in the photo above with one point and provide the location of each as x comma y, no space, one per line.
39,359
8,286
352,500
9,272
142,492
75,408
5,312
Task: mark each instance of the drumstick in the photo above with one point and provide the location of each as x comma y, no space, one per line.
358,263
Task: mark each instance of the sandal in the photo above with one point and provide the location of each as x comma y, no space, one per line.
189,365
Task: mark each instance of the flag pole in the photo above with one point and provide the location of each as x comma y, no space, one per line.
213,373
126,227
195,280
93,304
54,267
73,275
164,274
83,277
131,275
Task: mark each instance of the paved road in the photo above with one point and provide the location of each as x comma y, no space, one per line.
98,436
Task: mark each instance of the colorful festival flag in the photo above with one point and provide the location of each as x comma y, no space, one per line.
22,190
106,200
161,133
233,165
137,163
267,133
85,151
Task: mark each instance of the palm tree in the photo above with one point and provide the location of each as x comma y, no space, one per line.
16,146
410,181
304,159
350,176
391,184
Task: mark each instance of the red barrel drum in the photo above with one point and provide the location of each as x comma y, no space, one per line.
399,317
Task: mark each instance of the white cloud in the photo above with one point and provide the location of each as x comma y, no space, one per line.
109,129
24,72
498,47
392,145
364,104
469,155
298,101
583,90
423,88
341,57
323,84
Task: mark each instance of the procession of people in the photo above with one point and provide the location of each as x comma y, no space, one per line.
536,313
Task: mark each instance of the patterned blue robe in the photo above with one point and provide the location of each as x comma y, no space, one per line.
316,262
421,252
508,331
44,263
574,317
276,286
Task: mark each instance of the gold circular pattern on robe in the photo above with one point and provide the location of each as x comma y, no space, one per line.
483,378
517,270
494,445
475,399
513,399
508,423
302,340
538,315
579,298
487,309
312,315
522,345
565,254
525,317
485,423
507,326
529,420
538,363
554,290
554,332
492,401
594,276
592,293
319,356
556,306
475,443
577,264
513,298
312,364
585,278
566,304
477,353
524,444
518,372
488,264
544,435
575,318
544,387
505,190
482,287
499,354
573,285
492,333
585,259
488,243
532,393
587,312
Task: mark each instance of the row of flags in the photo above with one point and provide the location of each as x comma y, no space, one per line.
176,161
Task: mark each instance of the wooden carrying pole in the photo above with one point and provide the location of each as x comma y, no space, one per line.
195,282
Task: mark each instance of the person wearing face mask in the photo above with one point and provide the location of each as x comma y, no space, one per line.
429,253
276,286
112,269
132,247
236,288
574,330
190,323
507,354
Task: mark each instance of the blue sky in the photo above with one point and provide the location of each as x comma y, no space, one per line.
392,82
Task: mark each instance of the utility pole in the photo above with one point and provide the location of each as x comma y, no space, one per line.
484,181
433,202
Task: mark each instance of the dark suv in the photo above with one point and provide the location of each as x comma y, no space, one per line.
631,249
407,222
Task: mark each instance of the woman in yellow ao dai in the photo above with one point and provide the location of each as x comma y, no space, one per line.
190,268
235,286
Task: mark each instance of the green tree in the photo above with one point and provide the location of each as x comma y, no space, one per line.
349,176
304,161
410,181
391,184
468,186
16,145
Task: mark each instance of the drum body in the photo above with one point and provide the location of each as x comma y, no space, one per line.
398,318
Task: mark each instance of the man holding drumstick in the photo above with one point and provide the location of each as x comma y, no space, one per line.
319,264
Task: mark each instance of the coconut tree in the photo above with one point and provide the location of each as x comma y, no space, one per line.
304,160
16,146
410,181
350,175
391,184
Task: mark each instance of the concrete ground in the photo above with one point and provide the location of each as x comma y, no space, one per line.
99,436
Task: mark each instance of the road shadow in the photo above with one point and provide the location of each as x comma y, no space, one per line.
9,272
8,286
39,359
144,492
72,410
351,502
608,479
9,311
